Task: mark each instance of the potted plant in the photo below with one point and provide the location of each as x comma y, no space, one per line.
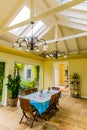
75,82
13,87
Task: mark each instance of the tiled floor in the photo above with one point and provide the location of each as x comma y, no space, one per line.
72,115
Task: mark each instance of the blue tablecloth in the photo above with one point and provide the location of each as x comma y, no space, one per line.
40,106
41,103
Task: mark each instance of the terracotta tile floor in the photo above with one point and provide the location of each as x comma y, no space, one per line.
72,115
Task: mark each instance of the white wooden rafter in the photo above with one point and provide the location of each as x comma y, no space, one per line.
68,37
45,14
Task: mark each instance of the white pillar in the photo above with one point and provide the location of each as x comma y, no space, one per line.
9,69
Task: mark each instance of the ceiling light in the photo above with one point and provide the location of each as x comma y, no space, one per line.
55,53
30,43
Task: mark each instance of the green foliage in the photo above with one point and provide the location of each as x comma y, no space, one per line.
17,68
2,70
35,70
13,86
28,84
75,78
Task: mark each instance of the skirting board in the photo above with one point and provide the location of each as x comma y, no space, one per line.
83,96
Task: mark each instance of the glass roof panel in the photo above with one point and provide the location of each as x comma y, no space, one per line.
23,15
20,18
82,6
39,25
60,2
17,31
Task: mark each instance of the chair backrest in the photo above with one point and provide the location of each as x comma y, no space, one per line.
52,100
57,97
34,90
25,105
55,88
27,92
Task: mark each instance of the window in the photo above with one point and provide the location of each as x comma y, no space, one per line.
29,74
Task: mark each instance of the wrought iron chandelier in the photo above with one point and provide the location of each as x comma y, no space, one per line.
56,53
30,43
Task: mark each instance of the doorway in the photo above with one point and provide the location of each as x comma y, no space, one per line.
61,76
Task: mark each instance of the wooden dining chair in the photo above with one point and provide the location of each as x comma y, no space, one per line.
28,111
59,93
49,110
52,103
55,88
34,90
57,100
27,92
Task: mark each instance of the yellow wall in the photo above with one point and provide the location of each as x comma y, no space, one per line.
77,65
48,74
80,66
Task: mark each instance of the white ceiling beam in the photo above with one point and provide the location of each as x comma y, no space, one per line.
45,14
56,31
77,45
68,37
61,35
31,8
44,32
72,25
9,17
78,21
74,13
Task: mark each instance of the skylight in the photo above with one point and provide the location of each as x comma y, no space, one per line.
37,27
60,2
20,18
23,15
82,6
17,31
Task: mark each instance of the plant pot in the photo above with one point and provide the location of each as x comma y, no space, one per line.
12,102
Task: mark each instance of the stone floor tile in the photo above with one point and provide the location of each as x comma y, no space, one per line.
78,128
72,115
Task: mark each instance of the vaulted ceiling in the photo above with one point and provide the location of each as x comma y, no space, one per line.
66,23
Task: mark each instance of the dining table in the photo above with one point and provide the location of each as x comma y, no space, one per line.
40,101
